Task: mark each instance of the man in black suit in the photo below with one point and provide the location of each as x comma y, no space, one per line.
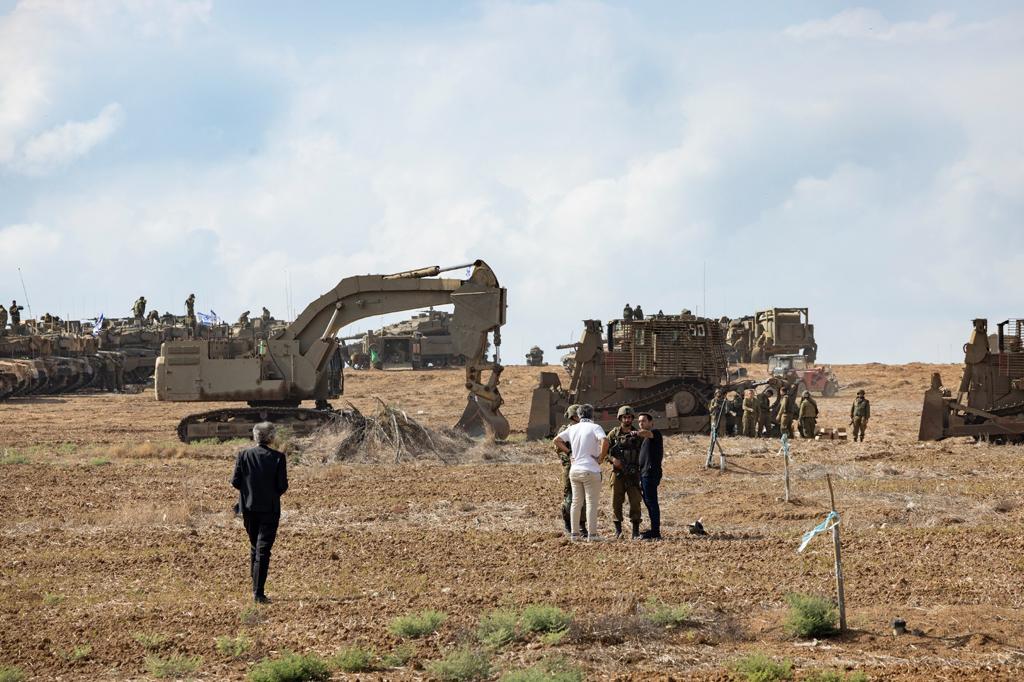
261,477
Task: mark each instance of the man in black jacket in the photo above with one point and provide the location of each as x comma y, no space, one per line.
261,477
652,452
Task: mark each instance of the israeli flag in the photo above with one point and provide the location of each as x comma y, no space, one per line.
97,325
207,320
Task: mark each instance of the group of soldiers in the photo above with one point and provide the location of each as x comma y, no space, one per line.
754,415
14,312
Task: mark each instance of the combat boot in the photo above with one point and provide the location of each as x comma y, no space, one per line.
636,530
566,521
618,529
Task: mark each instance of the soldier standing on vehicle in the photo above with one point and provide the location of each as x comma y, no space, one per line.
808,415
627,313
15,313
764,412
190,312
860,412
243,319
139,309
261,477
624,447
153,317
787,410
749,413
3,320
265,316
638,312
572,415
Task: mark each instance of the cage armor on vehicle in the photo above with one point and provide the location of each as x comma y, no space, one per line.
303,362
668,365
989,404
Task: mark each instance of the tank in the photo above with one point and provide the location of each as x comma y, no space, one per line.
421,342
989,403
43,360
669,365
782,331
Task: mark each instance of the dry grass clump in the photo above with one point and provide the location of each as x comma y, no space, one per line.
390,435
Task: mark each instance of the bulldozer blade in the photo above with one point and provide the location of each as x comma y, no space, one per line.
933,416
476,419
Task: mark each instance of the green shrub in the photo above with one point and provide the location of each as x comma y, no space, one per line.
175,667
290,668
234,647
462,665
545,618
836,676
667,616
497,628
98,462
151,641
760,668
14,457
398,656
78,653
553,670
554,638
52,599
810,616
353,660
418,624
10,673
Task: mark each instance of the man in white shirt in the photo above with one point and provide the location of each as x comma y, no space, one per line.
588,450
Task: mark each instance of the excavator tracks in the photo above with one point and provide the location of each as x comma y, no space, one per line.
233,423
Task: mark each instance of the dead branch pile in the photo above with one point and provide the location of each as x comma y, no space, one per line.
390,435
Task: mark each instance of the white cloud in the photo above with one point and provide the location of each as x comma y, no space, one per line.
870,24
28,242
60,146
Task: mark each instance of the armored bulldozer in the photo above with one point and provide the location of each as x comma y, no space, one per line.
668,365
989,403
535,358
782,331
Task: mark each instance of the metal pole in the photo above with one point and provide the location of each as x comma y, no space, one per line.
25,291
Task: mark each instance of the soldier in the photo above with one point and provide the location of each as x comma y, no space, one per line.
153,317
718,409
190,312
624,446
15,313
627,313
265,316
139,308
571,414
243,319
787,410
860,412
638,312
808,415
764,412
736,412
3,320
749,413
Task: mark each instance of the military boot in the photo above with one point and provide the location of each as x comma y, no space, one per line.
566,521
636,530
618,529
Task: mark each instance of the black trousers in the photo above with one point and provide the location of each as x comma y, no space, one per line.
649,486
262,530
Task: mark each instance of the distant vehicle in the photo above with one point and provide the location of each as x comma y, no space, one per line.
794,369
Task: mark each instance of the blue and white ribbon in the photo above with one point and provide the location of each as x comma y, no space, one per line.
831,520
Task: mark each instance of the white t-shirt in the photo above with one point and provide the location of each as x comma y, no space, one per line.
585,438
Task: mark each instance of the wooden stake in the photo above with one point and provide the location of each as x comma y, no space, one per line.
785,462
836,546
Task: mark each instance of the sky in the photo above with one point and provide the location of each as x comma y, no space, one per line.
865,161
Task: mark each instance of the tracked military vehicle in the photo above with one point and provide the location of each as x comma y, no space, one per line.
54,362
669,365
989,403
423,341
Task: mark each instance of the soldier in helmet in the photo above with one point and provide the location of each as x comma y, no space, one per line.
265,315
243,319
749,422
787,410
15,312
572,417
718,409
764,412
638,312
860,412
190,312
624,448
3,320
808,415
736,414
139,309
627,313
153,317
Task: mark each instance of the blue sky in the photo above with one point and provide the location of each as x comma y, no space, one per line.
865,161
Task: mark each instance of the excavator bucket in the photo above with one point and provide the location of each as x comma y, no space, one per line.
478,418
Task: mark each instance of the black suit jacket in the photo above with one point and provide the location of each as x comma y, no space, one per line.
261,476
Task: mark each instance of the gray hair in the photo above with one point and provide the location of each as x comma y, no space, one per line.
586,411
263,432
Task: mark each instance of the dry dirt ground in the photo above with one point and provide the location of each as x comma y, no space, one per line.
110,529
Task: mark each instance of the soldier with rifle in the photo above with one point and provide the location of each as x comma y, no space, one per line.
860,412
624,447
572,416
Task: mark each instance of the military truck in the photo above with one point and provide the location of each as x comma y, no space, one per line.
989,402
782,331
805,377
669,365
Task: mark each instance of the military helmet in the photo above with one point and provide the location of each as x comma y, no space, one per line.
572,411
860,392
719,393
624,410
807,394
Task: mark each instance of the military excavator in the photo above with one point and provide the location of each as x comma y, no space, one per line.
303,361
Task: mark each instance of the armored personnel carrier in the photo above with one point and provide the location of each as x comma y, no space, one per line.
669,365
989,403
